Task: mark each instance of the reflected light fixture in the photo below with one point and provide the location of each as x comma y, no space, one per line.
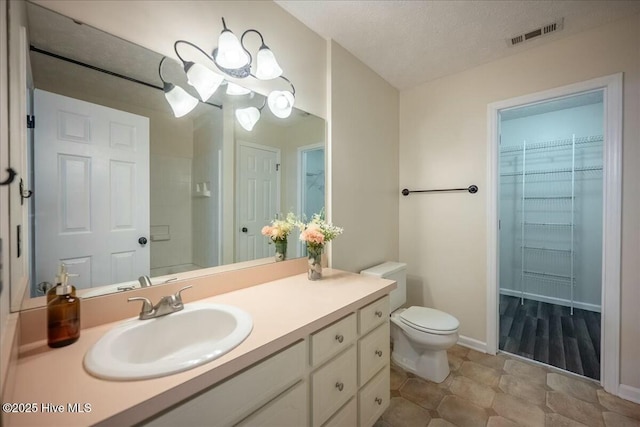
248,117
234,89
281,102
180,101
233,59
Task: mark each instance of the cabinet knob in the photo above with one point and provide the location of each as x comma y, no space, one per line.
339,338
339,386
379,353
379,313
378,401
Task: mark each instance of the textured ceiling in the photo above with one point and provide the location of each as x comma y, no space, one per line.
412,42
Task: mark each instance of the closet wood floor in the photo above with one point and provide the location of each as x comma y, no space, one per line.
549,334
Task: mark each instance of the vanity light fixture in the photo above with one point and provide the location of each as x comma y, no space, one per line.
232,58
180,101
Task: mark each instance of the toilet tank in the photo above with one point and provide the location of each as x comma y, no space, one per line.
392,271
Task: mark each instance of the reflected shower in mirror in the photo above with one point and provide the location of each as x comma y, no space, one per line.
123,188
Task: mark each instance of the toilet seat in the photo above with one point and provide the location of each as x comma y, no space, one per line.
429,320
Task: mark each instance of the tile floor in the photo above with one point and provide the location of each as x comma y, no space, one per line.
502,391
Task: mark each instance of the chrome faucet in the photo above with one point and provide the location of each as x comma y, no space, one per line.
144,281
167,305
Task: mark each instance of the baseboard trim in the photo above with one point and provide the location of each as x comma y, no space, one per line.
472,344
552,300
629,393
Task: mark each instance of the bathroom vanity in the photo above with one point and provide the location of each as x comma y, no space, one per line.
318,356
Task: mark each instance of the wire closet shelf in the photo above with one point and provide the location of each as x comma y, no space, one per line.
547,207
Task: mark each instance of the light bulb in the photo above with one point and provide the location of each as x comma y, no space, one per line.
205,81
248,117
280,103
230,53
180,101
267,67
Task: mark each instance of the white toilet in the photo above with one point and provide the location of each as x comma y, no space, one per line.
420,335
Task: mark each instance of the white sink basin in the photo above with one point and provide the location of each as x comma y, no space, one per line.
138,349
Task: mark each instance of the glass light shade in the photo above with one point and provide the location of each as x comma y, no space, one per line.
180,101
234,89
248,117
203,80
230,53
280,103
267,67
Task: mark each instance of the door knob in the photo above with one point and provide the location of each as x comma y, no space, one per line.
245,230
142,241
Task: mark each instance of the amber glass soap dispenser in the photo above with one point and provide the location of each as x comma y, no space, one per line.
63,315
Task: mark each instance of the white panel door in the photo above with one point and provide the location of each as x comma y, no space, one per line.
258,198
91,191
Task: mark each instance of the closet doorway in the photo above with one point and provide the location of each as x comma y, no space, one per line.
554,228
550,232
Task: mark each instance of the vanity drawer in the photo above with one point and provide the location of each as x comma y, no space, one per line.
332,339
373,398
374,314
373,353
333,385
288,410
346,417
228,402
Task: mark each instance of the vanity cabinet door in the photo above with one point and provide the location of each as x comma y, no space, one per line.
333,339
373,353
230,401
288,410
333,385
373,398
373,315
346,417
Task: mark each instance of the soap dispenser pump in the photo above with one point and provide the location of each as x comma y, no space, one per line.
62,270
63,315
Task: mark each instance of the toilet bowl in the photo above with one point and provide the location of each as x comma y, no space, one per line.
420,335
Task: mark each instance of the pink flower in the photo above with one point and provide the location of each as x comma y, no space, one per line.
267,230
312,235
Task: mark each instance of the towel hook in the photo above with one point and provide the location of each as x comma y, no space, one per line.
10,178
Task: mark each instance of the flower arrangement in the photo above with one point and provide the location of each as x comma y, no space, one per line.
278,232
316,233
280,228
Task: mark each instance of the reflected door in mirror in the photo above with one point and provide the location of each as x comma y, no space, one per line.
92,202
258,198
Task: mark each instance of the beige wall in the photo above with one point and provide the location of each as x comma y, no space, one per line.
443,143
363,166
157,24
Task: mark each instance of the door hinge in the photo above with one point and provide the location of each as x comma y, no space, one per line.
31,122
277,167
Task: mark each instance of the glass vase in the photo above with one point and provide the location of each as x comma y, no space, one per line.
315,263
281,250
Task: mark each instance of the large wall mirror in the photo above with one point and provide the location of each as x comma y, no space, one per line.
122,188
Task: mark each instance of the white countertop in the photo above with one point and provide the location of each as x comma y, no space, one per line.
284,311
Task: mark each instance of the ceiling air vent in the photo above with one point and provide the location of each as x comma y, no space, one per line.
542,31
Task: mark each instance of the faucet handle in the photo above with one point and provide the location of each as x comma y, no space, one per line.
179,294
147,307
